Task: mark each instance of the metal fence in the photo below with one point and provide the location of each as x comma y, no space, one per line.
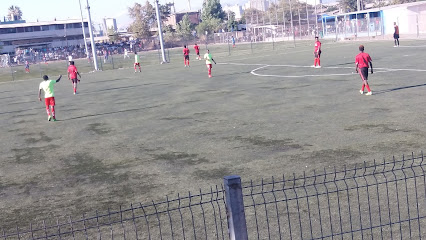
194,216
382,200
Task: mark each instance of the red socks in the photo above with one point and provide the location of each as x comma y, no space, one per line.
367,86
317,61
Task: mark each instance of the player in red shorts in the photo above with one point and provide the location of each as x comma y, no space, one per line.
362,60
197,51
137,62
209,59
317,53
49,95
27,67
186,55
72,75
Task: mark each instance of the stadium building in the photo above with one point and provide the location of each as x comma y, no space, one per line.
410,17
35,35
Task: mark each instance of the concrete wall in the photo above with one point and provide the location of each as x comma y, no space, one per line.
406,17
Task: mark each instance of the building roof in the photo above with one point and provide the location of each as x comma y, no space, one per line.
186,11
31,24
384,8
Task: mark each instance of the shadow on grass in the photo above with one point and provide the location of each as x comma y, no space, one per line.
109,113
341,64
399,88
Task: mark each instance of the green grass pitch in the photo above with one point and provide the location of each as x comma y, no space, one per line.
132,137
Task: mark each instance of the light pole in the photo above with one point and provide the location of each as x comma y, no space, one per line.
92,40
160,31
84,31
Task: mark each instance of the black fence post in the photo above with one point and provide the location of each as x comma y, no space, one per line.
237,226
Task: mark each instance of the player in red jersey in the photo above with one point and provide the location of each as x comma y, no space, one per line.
197,51
317,53
72,75
186,55
362,60
396,35
27,67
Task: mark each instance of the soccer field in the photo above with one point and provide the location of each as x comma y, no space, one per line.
132,137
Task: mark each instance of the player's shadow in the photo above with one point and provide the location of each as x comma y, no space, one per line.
341,64
111,89
399,88
113,112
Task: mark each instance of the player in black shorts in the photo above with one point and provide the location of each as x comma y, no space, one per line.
396,35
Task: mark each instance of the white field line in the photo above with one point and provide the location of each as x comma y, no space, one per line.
253,72
419,46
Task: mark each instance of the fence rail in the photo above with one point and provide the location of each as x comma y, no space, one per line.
381,200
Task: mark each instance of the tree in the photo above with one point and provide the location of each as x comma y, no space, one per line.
209,25
212,9
184,28
169,33
14,13
231,23
349,5
143,19
165,11
113,35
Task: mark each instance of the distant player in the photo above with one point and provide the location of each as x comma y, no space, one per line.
209,59
362,60
233,41
27,67
396,35
137,62
126,53
197,51
72,75
49,95
106,55
317,53
186,56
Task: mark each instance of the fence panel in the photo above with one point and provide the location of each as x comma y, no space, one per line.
194,216
382,201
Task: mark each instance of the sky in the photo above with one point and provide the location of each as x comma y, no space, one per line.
48,10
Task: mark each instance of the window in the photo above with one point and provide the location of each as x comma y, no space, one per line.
11,30
59,26
44,28
77,25
3,30
69,25
28,29
36,28
20,29
86,25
